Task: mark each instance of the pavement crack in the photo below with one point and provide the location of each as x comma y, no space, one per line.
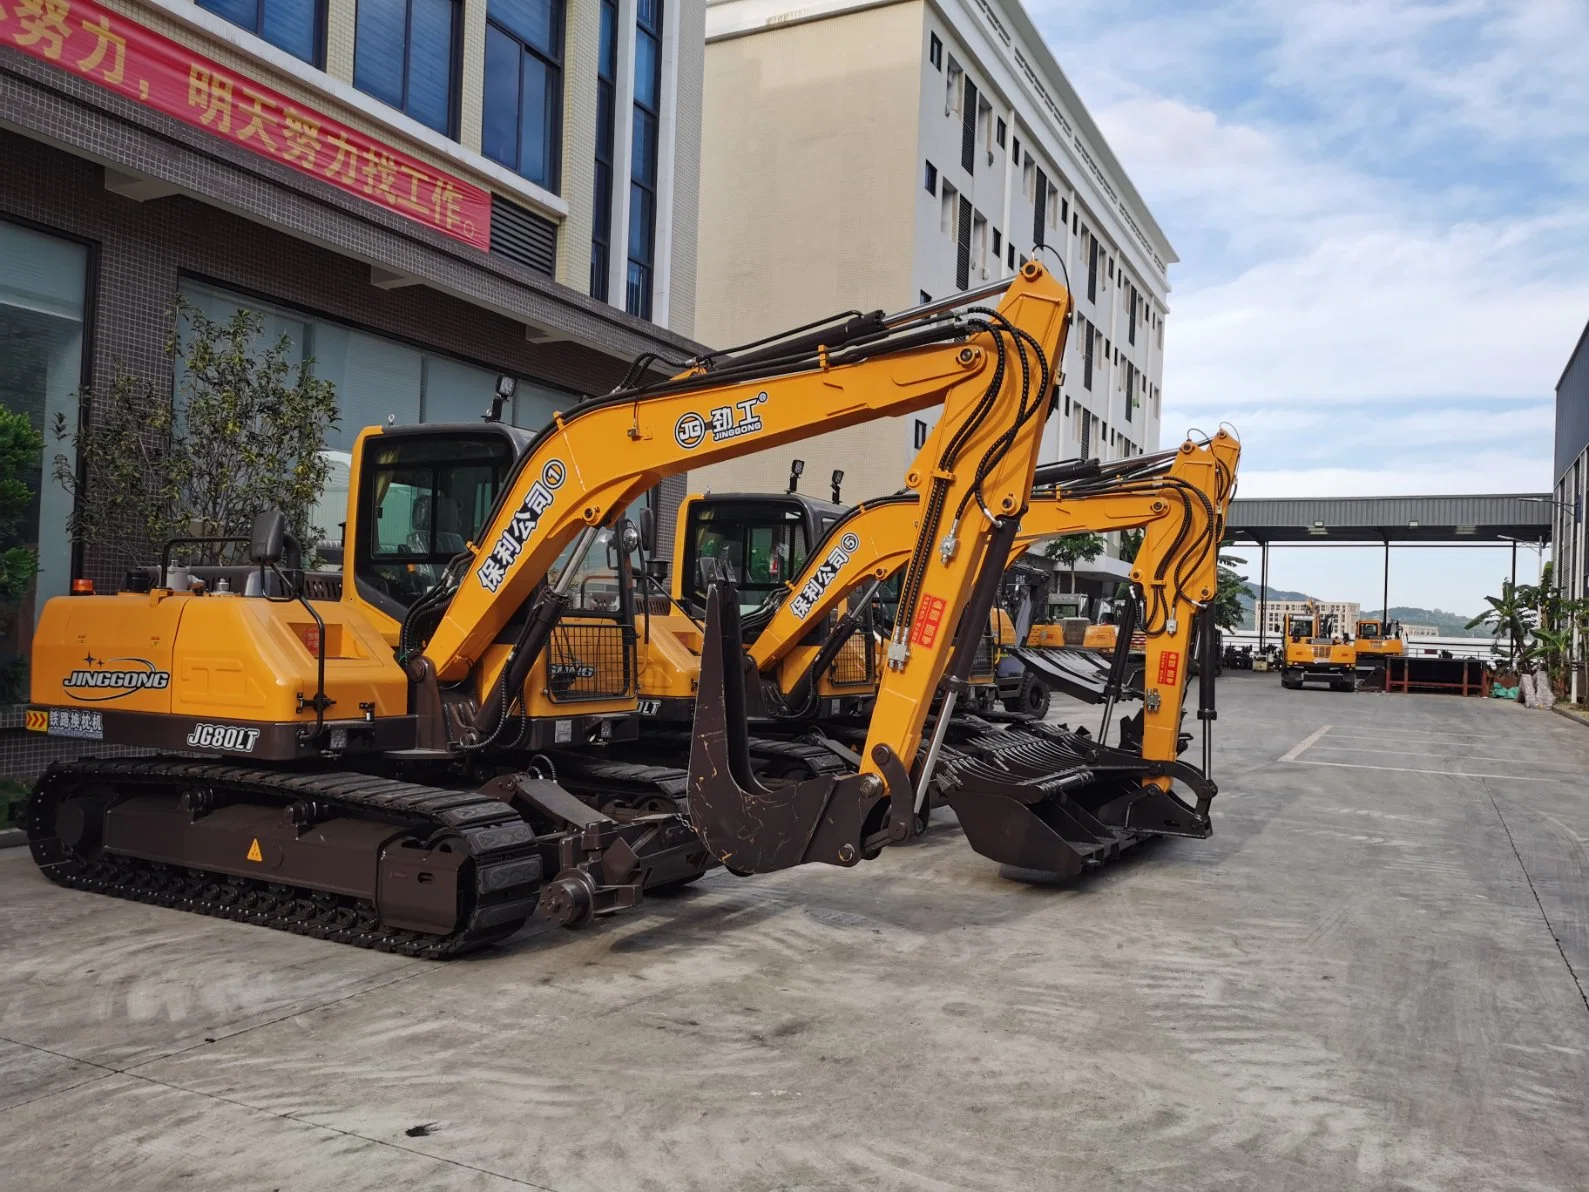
294,1118
1527,877
407,974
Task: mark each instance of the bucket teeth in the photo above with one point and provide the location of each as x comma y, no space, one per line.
1048,798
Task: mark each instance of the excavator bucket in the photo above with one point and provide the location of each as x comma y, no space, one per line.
748,826
1070,670
1058,801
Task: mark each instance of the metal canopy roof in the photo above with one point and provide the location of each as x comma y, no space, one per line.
1457,520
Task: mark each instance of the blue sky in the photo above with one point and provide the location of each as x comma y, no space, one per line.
1384,237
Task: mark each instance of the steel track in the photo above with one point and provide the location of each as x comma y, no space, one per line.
506,866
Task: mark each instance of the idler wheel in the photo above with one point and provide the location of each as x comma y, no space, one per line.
570,898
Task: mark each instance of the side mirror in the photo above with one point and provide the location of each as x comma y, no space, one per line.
267,539
648,530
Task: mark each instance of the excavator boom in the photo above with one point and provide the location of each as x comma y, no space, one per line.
592,462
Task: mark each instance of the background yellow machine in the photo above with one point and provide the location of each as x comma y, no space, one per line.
1376,643
1316,649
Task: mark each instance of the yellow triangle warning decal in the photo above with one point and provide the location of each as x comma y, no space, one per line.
253,851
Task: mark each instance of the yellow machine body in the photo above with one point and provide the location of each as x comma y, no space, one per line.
177,670
1377,640
1314,650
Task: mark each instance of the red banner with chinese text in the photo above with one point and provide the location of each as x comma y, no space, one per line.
122,56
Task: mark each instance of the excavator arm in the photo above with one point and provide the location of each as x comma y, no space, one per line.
1181,499
1177,498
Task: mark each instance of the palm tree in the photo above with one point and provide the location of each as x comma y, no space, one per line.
1511,614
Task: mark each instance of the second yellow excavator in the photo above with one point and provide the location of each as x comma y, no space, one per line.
810,614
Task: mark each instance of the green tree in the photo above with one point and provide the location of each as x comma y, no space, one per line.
1071,549
1229,612
20,445
1508,619
1130,544
247,431
1540,628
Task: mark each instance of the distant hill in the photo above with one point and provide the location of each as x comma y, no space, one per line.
1446,624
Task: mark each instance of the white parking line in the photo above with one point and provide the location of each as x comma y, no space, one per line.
1300,747
1465,757
1411,770
1433,738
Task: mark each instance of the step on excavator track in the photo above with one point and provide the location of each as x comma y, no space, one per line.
399,832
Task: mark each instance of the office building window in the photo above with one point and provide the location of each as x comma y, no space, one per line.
968,126
998,133
606,133
43,310
1064,211
1015,152
931,179
522,120
1011,251
925,297
955,92
920,437
998,244
405,53
1040,200
1131,321
297,26
935,51
643,157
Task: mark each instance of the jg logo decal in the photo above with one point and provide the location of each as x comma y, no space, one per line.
724,423
690,431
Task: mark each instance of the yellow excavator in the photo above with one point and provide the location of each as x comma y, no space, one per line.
1377,642
810,605
385,748
1315,650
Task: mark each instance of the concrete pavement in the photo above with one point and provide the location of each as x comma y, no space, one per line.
1370,977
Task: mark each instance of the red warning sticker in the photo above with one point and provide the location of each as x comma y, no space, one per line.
1169,667
928,618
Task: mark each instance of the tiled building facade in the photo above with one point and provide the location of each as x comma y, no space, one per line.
164,150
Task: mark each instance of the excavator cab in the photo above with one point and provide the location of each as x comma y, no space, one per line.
758,541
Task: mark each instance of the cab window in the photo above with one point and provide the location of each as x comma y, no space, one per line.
422,501
757,546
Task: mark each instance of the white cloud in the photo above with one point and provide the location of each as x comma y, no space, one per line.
1484,472
1385,249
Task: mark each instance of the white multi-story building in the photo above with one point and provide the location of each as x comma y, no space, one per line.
864,155
1344,612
